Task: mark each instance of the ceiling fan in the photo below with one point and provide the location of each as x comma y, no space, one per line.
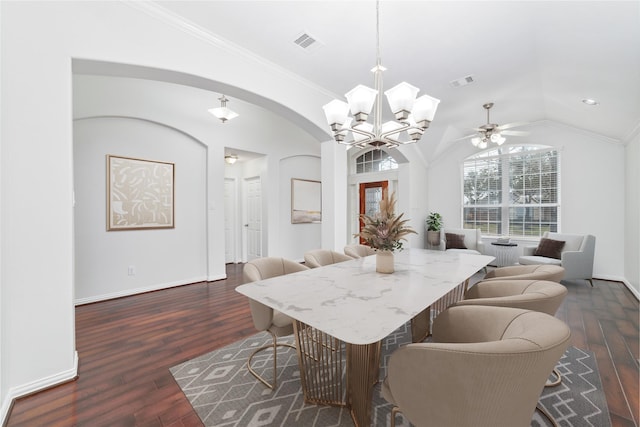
491,132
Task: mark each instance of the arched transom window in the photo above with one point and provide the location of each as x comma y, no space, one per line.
375,161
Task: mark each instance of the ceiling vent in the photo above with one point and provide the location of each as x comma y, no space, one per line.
463,81
307,42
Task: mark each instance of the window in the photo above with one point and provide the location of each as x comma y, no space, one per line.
512,191
375,161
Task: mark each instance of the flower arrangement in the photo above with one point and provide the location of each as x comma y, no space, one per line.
385,231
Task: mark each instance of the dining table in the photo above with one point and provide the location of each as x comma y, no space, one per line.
342,312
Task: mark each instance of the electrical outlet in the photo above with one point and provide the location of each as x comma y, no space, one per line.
132,270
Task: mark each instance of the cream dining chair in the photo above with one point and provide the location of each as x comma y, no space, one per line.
538,295
266,318
357,250
486,367
320,257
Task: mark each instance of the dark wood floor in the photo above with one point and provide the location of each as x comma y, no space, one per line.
126,347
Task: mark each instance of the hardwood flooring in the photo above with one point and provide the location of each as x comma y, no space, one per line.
127,345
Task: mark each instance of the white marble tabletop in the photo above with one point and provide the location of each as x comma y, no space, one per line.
353,303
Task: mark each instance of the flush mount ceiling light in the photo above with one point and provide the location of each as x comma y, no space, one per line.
231,158
222,112
411,115
590,101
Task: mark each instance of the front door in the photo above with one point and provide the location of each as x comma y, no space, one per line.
370,195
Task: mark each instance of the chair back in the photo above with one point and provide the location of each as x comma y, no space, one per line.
486,367
537,295
554,273
320,257
265,268
358,251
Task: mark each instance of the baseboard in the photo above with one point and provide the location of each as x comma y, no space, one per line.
629,286
633,290
37,386
135,291
217,277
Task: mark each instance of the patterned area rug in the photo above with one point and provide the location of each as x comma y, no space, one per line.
224,393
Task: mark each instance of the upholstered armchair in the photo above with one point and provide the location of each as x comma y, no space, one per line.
486,367
358,251
575,256
465,240
266,318
320,257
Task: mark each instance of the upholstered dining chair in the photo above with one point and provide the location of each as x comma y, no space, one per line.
486,367
538,295
320,257
357,250
266,318
554,273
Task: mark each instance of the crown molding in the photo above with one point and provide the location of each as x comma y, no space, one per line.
178,22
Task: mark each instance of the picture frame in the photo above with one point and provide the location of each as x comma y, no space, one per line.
306,201
140,194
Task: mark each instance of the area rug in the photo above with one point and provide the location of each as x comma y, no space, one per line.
223,393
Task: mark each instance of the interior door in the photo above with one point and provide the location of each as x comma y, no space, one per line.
253,226
370,195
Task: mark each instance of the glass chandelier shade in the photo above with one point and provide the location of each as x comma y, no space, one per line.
412,115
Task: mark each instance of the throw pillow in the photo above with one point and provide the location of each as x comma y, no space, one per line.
550,248
455,241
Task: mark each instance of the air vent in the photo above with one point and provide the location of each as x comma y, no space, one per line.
463,81
307,42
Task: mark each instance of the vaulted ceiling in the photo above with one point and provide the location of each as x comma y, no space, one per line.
535,60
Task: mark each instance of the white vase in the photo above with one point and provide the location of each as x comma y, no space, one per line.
384,262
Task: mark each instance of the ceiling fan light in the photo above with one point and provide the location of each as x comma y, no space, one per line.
361,99
336,113
495,137
475,141
500,140
425,108
401,98
483,144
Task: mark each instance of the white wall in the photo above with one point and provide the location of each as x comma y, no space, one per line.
592,182
632,214
161,258
175,127
39,42
300,237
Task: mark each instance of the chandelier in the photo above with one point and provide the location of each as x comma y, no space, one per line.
222,112
411,115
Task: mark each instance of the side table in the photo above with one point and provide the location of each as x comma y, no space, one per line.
506,253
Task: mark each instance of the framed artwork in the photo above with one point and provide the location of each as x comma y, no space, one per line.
306,201
140,194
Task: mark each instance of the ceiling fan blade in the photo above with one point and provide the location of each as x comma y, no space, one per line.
515,132
512,125
465,137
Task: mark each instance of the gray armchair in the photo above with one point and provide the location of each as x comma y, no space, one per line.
472,240
486,367
576,256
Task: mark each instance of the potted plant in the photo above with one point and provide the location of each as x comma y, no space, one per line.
434,225
384,232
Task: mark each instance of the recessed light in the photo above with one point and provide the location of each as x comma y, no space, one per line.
590,101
